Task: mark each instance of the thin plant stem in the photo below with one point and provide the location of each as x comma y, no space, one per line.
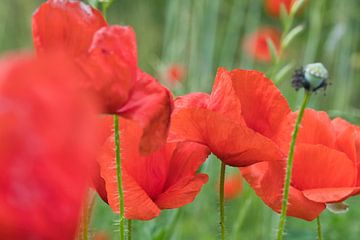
86,215
289,166
222,210
319,232
129,226
119,176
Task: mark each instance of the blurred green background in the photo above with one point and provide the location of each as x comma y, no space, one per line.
201,35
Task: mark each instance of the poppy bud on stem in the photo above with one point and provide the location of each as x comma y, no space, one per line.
311,77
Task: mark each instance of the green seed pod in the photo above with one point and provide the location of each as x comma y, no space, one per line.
311,77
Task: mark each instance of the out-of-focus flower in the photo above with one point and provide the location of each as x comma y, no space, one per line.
237,121
165,179
107,56
256,44
325,171
48,146
273,6
173,73
232,186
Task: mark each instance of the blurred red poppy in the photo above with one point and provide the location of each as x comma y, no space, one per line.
47,151
237,121
107,56
174,73
256,43
326,166
165,179
273,6
232,186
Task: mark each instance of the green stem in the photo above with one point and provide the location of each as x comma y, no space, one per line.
290,161
319,232
86,215
222,210
129,225
119,177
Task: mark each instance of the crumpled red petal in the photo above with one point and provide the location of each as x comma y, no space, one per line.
233,143
150,104
152,182
262,104
111,66
65,25
267,178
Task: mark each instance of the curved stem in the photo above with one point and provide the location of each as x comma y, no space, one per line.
129,233
290,161
222,211
319,232
119,176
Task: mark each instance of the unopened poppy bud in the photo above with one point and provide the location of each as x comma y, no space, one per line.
337,208
311,77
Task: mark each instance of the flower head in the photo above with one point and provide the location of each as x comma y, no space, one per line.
107,56
256,44
237,121
326,166
164,179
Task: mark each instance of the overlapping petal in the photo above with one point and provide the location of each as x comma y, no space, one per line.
165,179
235,121
63,25
107,56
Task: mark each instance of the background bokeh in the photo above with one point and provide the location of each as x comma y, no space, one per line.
199,36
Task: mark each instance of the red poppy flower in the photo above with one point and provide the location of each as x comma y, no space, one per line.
232,186
107,55
237,121
48,144
256,43
273,6
165,179
326,166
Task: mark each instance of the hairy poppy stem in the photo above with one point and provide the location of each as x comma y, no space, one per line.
290,160
129,225
319,232
86,215
119,176
222,211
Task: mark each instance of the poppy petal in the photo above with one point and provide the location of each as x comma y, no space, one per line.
183,184
346,138
330,195
267,178
262,104
60,25
223,98
317,166
316,128
48,140
138,205
182,193
150,105
192,100
111,66
233,143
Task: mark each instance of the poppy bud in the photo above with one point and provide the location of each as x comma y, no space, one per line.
311,77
